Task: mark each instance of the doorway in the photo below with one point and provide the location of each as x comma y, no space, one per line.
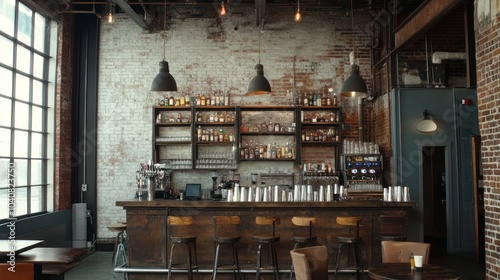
434,198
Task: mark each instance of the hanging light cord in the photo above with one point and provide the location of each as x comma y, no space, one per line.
352,35
165,31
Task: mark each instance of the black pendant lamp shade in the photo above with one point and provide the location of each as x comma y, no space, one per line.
164,80
354,86
259,83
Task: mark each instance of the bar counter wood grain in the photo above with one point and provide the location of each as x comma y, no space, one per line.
147,231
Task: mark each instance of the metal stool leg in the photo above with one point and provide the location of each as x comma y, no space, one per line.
214,272
337,262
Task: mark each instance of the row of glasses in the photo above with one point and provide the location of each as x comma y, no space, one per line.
359,147
173,138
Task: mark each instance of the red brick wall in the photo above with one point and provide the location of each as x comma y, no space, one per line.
487,31
62,125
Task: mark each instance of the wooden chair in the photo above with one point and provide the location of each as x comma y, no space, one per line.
303,240
24,271
350,239
187,240
311,263
226,233
400,251
270,239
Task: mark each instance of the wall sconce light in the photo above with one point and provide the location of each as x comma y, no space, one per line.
222,9
298,15
110,13
426,125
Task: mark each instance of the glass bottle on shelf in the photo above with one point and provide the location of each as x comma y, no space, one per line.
179,117
335,100
216,117
198,100
257,151
221,135
187,100
216,136
211,117
203,100
226,99
324,98
171,101
199,134
277,127
270,127
251,151
305,100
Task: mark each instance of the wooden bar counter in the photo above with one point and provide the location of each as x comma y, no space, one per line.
147,233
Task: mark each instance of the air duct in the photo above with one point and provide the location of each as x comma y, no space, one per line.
437,57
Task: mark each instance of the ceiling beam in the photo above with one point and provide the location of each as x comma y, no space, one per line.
132,14
427,15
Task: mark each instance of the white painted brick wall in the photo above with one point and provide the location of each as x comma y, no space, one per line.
315,48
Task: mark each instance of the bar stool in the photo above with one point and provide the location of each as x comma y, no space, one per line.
351,239
301,240
392,227
119,257
270,240
185,239
226,233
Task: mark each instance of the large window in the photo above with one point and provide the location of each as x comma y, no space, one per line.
26,108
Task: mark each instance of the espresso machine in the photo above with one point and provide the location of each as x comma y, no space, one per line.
363,176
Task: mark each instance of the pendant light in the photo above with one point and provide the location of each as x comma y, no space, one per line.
164,81
222,9
354,86
298,15
110,13
259,84
426,125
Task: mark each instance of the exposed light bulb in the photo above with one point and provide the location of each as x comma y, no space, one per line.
222,10
110,17
297,16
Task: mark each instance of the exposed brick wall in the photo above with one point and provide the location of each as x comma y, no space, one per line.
305,56
487,31
62,125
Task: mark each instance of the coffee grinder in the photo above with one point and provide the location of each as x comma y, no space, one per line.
216,192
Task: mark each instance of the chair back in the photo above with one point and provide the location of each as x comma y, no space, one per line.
225,225
263,221
24,271
400,251
352,223
310,263
305,222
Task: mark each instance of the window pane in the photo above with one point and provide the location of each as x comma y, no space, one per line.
37,119
4,173
21,201
24,24
36,199
7,48
38,93
5,106
20,144
7,12
23,59
40,29
4,204
21,166
22,88
36,145
6,82
38,66
21,115
4,142
36,172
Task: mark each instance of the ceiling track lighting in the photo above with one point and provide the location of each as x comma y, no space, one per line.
426,125
259,84
298,15
164,81
222,9
354,86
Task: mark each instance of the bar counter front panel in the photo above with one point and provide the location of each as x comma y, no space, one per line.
147,232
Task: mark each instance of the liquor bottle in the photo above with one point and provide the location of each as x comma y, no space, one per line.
305,100
213,99
335,100
332,117
199,134
211,135
203,101
162,102
226,99
226,137
261,151
171,101
273,151
278,151
283,150
171,119
208,100
268,150
179,117
221,135
187,100
329,101
257,151
310,99
198,100
211,117
228,117
198,117
324,98
182,101
177,102
216,117
242,153
277,127
217,99
251,151
216,136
